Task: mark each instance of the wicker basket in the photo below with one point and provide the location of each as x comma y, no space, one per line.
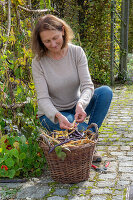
76,166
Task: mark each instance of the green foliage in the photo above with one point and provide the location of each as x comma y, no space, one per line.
60,154
18,110
17,93
90,21
20,157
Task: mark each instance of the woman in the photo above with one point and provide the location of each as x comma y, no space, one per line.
65,91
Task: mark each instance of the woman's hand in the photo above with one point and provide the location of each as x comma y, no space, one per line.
63,121
80,113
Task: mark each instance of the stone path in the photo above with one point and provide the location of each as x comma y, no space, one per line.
115,145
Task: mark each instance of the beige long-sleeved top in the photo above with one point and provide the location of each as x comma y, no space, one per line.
60,84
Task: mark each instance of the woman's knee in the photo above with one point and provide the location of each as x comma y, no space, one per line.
104,90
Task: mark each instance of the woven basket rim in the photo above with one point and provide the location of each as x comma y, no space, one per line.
73,147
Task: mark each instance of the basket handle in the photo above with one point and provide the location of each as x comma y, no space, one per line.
96,128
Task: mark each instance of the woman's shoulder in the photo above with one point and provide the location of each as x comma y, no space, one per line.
74,46
75,49
37,60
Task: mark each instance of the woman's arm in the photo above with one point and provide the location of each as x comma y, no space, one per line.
86,85
44,102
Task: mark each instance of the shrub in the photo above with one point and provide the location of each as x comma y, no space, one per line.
20,157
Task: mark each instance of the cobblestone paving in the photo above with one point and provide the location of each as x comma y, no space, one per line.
115,145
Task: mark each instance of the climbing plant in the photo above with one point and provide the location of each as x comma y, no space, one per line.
18,97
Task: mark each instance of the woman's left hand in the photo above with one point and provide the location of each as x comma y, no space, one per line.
80,113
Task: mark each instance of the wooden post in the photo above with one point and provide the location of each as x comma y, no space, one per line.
124,40
112,43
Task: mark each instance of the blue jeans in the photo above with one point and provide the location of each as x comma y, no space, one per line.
96,110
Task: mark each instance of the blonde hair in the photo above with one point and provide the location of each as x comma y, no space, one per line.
49,22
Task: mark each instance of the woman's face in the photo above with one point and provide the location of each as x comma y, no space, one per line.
52,39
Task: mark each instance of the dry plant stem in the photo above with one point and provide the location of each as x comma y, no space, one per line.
92,137
75,143
9,25
71,131
50,137
56,141
33,11
73,124
71,143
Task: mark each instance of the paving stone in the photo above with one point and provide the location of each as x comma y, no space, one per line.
117,197
106,184
55,198
126,176
129,135
33,192
85,184
115,136
117,153
101,191
97,197
125,158
130,143
99,148
126,164
107,176
126,119
108,158
92,174
130,129
130,153
80,191
125,139
61,192
118,192
79,198
11,185
125,148
123,183
126,169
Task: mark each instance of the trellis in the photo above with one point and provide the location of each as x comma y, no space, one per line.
119,66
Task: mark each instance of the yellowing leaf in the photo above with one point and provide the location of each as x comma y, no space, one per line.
17,81
31,86
24,49
12,32
0,150
11,79
16,145
21,2
29,33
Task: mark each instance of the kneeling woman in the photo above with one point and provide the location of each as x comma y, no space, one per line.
65,91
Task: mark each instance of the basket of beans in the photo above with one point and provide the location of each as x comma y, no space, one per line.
69,153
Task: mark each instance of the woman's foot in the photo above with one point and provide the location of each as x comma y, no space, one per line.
96,157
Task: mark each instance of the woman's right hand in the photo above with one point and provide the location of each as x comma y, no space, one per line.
63,121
